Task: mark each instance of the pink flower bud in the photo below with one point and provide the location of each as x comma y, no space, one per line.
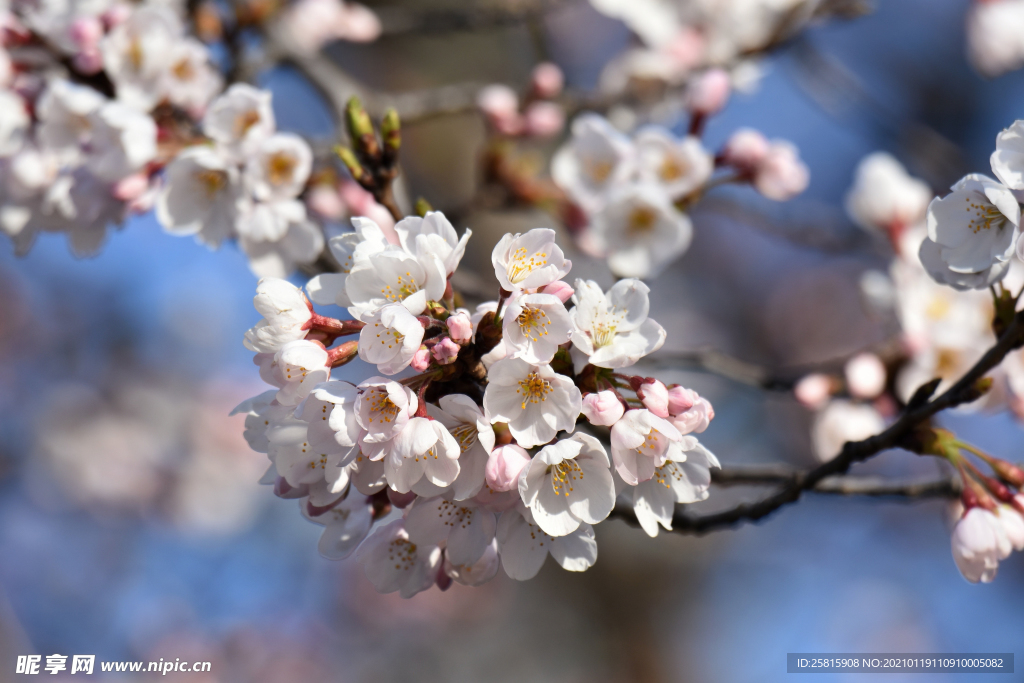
325,201
420,360
460,327
88,61
696,419
680,399
500,105
745,149
544,119
708,93
655,397
781,175
603,408
865,376
131,187
503,467
86,32
813,391
558,288
116,15
548,80
445,351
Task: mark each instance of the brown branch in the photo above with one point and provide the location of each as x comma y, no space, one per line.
919,411
846,485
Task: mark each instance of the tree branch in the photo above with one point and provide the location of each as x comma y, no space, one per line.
846,485
896,436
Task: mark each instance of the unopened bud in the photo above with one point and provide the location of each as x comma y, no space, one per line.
460,327
504,465
602,408
348,157
391,133
340,355
445,351
1008,472
423,207
420,360
360,129
655,397
978,389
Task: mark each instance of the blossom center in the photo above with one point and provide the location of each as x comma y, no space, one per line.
403,553
671,169
667,473
405,286
534,389
183,70
383,407
245,121
641,221
523,263
212,181
465,435
563,475
455,515
984,217
651,444
135,54
389,337
532,322
599,170
281,168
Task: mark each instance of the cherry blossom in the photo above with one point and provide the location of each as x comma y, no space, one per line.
529,260
884,196
295,369
674,482
641,231
680,166
612,330
346,525
423,449
524,546
596,159
642,442
979,542
534,400
464,529
383,408
534,326
603,408
567,484
392,562
391,337
285,314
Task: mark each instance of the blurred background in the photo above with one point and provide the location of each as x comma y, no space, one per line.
132,526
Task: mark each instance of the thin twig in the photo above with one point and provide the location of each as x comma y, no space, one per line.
853,452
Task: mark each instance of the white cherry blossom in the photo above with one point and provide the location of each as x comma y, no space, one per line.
390,339
466,422
285,314
202,195
596,159
464,529
345,525
841,421
14,122
972,232
641,231
295,369
330,411
995,36
190,80
279,168
392,562
136,54
603,408
301,242
123,140
383,408
612,330
674,482
529,260
884,196
534,400
348,250
534,326
642,442
680,166
524,546
240,119
423,449
65,124
478,573
433,236
1008,158
568,483
394,276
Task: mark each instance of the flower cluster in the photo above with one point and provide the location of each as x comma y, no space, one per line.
472,459
244,184
634,191
537,117
681,38
79,158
